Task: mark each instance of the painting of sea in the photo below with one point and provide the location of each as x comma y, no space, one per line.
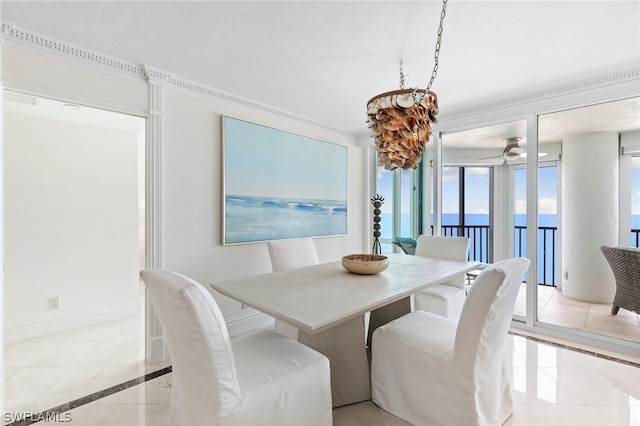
278,184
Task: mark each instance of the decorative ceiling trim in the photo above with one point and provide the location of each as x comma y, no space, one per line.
11,35
14,36
541,95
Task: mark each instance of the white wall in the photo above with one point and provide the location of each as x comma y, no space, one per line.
192,195
71,215
190,166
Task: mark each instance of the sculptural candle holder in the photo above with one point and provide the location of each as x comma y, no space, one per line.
377,202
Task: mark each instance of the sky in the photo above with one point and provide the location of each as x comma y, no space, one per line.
477,190
547,191
265,162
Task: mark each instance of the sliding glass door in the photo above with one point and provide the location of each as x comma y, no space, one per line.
466,207
585,195
595,174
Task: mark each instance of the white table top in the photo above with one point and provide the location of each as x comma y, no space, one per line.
318,297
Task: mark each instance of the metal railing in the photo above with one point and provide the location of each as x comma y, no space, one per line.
479,242
547,247
480,251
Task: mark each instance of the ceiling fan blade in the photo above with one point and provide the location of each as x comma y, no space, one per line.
491,158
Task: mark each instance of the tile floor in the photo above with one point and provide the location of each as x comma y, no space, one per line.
554,308
552,385
101,371
49,371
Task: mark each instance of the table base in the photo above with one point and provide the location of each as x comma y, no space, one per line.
345,347
386,314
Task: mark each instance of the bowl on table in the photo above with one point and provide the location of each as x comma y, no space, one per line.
365,264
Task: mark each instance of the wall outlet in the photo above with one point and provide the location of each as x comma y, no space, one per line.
54,303
566,275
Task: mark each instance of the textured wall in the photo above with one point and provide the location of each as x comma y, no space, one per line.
590,180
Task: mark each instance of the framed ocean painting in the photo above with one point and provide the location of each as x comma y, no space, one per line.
278,184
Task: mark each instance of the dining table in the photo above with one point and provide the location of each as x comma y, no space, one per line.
327,304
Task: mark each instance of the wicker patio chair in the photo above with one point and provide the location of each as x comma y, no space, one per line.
625,264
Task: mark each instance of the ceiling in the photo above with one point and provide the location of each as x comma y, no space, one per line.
323,60
51,109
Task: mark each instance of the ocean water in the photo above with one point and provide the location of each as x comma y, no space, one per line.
546,270
249,218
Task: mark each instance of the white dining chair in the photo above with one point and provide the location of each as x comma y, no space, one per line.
431,370
447,298
262,378
291,254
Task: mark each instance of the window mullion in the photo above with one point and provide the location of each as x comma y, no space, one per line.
397,199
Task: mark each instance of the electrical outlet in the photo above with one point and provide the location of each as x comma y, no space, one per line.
566,275
54,303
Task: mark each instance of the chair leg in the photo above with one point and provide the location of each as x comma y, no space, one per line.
614,309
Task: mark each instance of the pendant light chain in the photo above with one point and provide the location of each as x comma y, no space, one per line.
400,120
436,54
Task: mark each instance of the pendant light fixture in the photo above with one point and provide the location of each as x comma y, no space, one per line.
400,121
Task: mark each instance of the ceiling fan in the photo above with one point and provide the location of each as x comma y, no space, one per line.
512,151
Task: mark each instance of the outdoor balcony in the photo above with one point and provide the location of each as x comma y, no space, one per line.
553,307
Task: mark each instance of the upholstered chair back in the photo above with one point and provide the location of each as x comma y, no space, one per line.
198,341
292,253
480,336
446,248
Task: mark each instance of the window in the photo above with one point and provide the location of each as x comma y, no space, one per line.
466,195
635,201
401,211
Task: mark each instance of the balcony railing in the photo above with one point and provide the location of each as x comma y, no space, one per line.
479,246
478,239
546,252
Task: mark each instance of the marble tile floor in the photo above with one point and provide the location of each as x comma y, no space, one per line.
554,308
49,371
552,385
58,369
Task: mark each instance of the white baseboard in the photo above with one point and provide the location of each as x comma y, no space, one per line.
44,327
243,323
157,350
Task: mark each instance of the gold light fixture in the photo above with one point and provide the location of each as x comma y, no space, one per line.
400,120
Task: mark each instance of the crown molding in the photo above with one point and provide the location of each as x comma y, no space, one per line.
11,35
581,93
544,95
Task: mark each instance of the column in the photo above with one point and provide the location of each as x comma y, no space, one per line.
155,348
590,213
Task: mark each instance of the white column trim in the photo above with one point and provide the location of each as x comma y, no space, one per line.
2,292
532,218
154,343
437,181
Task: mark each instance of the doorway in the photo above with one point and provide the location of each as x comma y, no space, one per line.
74,243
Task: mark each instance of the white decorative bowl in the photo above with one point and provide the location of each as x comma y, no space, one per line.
365,264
